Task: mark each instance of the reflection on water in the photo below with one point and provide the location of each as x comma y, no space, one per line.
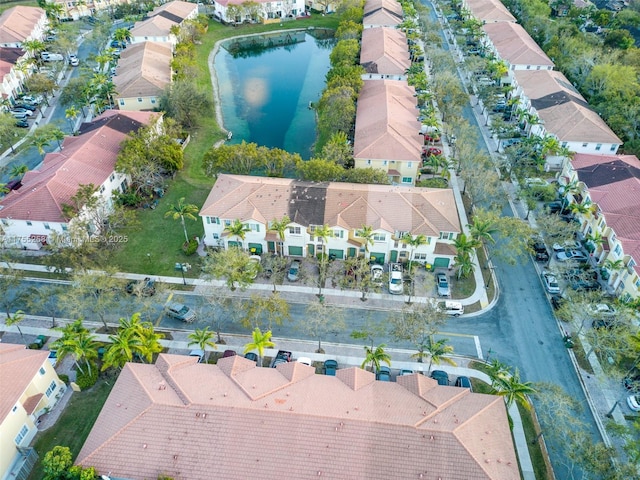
265,92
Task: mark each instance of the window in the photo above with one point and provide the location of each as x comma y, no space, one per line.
538,67
23,433
13,410
617,250
4,222
153,100
399,234
121,101
29,223
52,388
384,163
254,227
112,177
216,236
584,145
379,237
338,233
598,146
64,228
139,100
294,230
409,164
42,371
420,256
446,235
528,67
227,223
638,283
213,221
46,226
613,148
564,144
368,162
407,180
101,189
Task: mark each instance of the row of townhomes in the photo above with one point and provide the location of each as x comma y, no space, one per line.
156,417
18,25
32,213
30,388
596,177
387,131
392,211
144,68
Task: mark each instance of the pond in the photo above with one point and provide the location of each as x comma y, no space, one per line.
266,85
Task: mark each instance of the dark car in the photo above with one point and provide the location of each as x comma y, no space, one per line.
22,123
282,356
556,301
229,353
142,288
440,376
330,367
540,250
384,374
632,382
26,106
554,207
251,356
464,382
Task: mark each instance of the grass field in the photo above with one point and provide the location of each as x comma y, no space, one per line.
74,425
162,238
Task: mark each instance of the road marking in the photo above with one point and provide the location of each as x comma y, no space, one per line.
169,297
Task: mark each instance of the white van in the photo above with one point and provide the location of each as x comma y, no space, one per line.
452,308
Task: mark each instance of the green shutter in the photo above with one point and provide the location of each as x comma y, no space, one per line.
295,251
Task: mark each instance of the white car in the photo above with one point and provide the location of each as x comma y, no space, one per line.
443,285
395,279
550,282
304,360
571,244
376,274
602,309
573,255
634,402
73,60
452,308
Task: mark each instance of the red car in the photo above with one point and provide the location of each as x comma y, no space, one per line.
431,138
431,151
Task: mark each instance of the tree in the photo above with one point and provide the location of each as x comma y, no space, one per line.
323,233
280,227
512,388
319,170
45,297
181,211
234,265
78,342
18,171
366,234
40,84
437,352
15,319
40,140
322,319
417,324
237,229
185,103
414,242
56,463
259,342
376,356
202,337
264,312
94,294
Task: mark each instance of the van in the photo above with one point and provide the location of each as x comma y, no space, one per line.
452,308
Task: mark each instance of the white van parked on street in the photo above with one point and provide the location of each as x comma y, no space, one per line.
452,308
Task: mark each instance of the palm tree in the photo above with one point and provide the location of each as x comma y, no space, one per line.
33,47
18,171
15,319
122,34
236,229
437,351
323,233
413,242
376,356
78,342
203,338
180,211
260,342
366,233
465,245
464,263
149,341
57,135
71,114
123,345
513,389
482,230
40,141
280,227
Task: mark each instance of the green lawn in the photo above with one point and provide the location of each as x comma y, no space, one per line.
162,238
74,424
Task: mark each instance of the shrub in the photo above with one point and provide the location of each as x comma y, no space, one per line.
437,182
85,379
64,378
190,248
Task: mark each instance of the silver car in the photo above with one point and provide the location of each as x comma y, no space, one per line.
443,285
180,311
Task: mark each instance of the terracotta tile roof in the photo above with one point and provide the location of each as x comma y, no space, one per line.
9,56
564,111
392,6
427,211
32,402
515,45
144,70
17,23
87,158
290,423
384,50
489,11
613,182
386,122
179,9
18,367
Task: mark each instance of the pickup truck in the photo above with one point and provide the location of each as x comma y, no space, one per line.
282,356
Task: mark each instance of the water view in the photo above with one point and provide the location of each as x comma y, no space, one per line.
265,92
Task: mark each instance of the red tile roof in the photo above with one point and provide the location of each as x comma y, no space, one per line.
427,211
17,23
144,70
386,122
488,11
87,158
18,367
514,44
188,420
384,50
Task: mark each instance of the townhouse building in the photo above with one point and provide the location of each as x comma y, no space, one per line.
384,53
77,9
488,11
607,186
391,211
34,212
382,13
265,11
30,388
160,22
